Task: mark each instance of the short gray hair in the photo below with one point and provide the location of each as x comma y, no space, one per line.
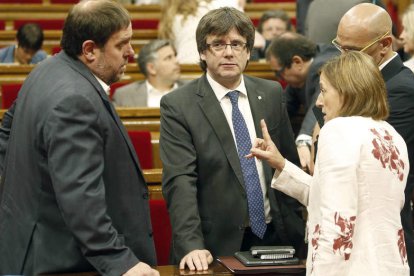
148,53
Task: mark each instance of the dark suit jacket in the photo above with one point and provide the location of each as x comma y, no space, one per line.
202,177
311,89
400,87
72,194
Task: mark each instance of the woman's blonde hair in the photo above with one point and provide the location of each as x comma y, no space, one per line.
172,8
408,22
359,83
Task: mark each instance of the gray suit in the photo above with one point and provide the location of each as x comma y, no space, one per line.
134,94
202,177
72,194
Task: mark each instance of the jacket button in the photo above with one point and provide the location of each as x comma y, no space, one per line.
150,235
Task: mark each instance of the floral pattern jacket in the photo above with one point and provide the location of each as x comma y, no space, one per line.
354,199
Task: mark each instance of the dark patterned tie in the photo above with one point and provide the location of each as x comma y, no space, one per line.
250,174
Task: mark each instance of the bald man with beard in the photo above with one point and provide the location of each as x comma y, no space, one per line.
367,28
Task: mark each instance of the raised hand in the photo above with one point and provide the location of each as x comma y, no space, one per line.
265,149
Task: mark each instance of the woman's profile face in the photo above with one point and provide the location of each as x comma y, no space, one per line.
328,100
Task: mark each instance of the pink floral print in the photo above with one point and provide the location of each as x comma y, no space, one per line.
343,244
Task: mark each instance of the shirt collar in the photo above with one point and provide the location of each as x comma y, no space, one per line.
105,87
220,91
387,61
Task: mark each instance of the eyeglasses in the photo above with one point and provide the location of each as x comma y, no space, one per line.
347,49
236,46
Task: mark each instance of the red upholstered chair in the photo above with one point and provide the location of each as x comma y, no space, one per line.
114,87
140,24
2,25
141,140
161,227
46,24
21,1
64,1
9,93
56,50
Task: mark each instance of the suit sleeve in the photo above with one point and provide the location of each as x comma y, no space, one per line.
179,183
6,125
74,143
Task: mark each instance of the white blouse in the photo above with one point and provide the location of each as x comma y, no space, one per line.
354,199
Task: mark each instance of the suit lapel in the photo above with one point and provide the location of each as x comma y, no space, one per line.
86,73
215,115
257,101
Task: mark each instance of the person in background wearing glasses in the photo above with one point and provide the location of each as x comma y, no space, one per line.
206,127
367,28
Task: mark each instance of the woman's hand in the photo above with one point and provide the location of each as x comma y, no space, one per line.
265,149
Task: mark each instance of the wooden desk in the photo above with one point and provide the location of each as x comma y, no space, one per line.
170,270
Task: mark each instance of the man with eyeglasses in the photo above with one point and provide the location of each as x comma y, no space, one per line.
367,28
219,201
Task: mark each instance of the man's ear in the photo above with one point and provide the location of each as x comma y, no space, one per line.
386,43
88,50
297,62
151,68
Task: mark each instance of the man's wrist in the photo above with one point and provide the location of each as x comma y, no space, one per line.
303,143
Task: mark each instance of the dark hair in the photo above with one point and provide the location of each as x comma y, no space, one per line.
148,53
95,20
275,14
220,22
285,47
30,36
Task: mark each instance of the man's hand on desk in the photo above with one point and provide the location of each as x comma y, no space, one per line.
141,269
197,260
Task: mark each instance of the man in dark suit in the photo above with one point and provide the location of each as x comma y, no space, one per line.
367,28
72,195
298,60
205,179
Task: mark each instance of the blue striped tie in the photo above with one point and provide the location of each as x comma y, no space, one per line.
250,174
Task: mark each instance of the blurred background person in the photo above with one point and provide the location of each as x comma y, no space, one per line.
272,24
179,20
29,41
407,35
297,61
158,63
357,191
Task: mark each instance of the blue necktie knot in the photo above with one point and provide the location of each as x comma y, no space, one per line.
249,169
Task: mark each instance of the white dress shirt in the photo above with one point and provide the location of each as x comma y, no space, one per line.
244,106
154,95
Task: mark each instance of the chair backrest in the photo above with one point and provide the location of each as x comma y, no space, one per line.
161,228
141,140
64,1
114,87
21,1
139,24
2,24
45,24
9,93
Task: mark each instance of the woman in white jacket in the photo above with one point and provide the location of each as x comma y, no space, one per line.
356,194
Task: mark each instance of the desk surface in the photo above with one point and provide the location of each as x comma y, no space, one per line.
171,270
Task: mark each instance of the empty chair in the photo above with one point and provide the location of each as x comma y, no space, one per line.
9,94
